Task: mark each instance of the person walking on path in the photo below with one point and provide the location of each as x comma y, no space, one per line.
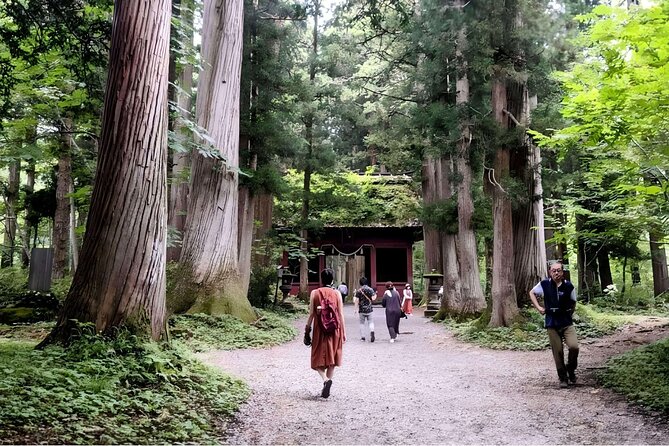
343,290
559,303
363,299
407,301
392,303
326,348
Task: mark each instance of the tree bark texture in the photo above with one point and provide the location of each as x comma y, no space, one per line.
452,301
210,281
472,301
658,256
11,197
587,262
28,224
263,214
180,167
121,278
605,276
61,220
504,306
247,205
430,182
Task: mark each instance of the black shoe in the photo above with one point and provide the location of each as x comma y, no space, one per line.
372,336
572,377
563,384
326,388
363,339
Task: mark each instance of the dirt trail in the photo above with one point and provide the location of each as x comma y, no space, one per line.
429,388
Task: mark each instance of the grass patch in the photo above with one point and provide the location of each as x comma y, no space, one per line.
642,375
528,332
202,332
111,391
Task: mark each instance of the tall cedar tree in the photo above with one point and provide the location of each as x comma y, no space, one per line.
121,279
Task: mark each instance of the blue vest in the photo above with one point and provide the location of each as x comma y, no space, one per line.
558,304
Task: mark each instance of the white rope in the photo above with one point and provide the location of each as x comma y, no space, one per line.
344,253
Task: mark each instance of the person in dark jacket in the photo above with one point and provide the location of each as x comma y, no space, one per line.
559,297
392,303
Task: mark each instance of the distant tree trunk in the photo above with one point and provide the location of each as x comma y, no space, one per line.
430,182
180,166
11,198
472,301
658,257
247,206
263,214
587,262
28,225
605,276
209,279
74,246
61,220
504,304
121,278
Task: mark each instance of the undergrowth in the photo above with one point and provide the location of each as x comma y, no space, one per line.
528,332
202,332
111,391
642,375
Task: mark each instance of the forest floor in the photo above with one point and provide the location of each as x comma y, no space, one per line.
430,388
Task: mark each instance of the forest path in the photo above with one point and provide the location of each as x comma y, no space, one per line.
429,388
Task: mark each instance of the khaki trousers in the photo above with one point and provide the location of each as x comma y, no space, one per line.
556,336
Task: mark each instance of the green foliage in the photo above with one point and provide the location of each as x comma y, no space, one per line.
13,283
642,375
351,200
203,332
528,332
262,286
111,391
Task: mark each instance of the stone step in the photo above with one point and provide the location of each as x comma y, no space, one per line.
430,313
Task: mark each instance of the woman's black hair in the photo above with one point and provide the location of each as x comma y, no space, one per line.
327,276
363,281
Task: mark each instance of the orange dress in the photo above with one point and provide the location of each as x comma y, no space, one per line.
326,350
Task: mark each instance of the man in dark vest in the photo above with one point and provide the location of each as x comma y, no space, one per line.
559,297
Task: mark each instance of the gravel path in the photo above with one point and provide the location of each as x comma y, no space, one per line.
429,388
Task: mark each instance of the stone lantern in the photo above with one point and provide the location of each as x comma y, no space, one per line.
286,278
434,282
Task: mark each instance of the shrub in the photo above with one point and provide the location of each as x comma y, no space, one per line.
262,280
13,284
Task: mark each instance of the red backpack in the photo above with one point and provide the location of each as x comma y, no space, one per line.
329,316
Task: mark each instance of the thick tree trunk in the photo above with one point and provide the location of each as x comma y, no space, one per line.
658,258
504,306
473,301
11,197
587,263
209,279
247,205
263,214
61,220
180,166
453,299
74,245
430,182
121,278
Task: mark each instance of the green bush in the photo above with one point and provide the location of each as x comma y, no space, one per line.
262,286
642,375
111,391
13,284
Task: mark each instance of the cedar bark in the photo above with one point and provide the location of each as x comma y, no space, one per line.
658,257
209,280
433,256
121,278
11,197
61,220
28,224
504,306
453,299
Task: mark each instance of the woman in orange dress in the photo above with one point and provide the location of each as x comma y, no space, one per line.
326,348
407,302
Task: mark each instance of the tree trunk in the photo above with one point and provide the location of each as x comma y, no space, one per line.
74,246
504,306
121,278
28,225
209,279
605,276
452,301
658,258
473,301
11,197
430,182
247,205
587,262
61,220
180,166
263,214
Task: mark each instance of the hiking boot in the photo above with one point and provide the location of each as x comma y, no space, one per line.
363,339
572,377
371,337
326,388
563,384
